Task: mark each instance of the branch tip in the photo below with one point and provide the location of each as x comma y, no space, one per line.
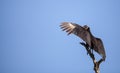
96,63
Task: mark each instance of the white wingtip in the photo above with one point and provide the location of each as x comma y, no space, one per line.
71,26
68,27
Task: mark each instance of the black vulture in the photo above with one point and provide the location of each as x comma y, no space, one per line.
85,34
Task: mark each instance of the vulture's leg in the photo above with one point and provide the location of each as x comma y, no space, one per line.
91,50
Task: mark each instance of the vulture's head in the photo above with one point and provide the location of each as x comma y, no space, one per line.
86,27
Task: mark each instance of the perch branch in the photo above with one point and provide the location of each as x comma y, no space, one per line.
96,63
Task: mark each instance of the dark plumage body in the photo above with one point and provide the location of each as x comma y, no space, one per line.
85,34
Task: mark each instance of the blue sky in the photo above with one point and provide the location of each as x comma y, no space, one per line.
31,40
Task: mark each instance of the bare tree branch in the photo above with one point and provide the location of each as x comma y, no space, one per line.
96,63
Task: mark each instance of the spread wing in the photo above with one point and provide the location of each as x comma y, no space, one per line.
100,48
77,30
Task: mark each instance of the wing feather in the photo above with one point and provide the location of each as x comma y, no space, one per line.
100,47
